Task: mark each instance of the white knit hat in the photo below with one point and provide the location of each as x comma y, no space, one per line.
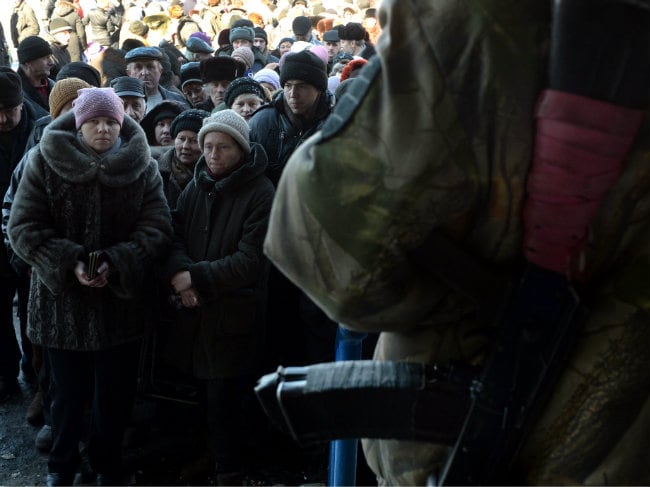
228,122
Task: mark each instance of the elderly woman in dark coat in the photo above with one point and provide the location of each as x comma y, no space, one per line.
177,164
91,186
219,273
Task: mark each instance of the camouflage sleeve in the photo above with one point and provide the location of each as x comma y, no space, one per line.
354,200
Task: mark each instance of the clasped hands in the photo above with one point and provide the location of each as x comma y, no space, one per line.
182,284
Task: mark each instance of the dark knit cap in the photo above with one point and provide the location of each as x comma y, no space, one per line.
81,70
111,63
261,34
165,109
191,72
33,47
59,24
221,68
246,33
352,31
304,66
240,86
11,88
191,119
301,25
286,39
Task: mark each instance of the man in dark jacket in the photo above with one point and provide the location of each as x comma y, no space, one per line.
354,41
17,116
145,63
293,116
35,64
261,42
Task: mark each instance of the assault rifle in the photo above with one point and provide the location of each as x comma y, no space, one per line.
482,413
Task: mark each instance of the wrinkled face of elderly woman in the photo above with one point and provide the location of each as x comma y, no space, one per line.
100,133
221,152
187,147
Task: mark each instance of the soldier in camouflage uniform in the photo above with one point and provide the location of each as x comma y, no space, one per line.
439,138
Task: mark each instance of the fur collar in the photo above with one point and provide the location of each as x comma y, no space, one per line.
70,158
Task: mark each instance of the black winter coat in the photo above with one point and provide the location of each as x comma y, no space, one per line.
220,228
170,169
272,129
72,201
32,94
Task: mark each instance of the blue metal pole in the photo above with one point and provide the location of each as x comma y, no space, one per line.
343,453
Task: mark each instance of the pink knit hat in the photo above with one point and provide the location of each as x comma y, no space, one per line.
97,102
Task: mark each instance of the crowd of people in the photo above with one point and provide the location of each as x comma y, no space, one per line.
191,162
140,147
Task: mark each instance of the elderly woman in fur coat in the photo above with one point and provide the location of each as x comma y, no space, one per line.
91,186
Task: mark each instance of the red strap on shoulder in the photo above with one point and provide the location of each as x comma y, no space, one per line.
580,145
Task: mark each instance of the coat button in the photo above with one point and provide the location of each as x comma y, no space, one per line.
102,166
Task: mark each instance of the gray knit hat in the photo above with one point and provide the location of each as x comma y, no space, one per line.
228,122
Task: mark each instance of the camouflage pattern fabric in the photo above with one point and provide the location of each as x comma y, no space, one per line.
437,137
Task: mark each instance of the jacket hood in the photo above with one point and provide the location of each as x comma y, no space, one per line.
68,156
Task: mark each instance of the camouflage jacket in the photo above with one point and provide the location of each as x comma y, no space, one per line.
437,137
